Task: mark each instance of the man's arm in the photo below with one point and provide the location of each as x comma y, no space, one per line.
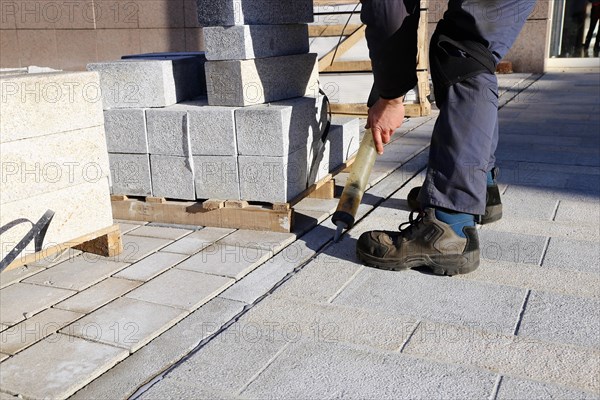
392,38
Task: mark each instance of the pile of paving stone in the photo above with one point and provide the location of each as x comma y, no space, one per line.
243,121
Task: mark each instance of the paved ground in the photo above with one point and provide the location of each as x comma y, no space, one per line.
213,313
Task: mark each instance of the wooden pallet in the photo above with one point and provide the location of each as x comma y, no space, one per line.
234,214
104,242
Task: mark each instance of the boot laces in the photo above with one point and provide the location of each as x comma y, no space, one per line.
407,229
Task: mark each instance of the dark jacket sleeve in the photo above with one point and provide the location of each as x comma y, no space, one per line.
392,38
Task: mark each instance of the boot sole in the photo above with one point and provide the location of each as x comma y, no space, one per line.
445,265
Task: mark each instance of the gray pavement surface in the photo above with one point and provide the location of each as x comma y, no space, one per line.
193,313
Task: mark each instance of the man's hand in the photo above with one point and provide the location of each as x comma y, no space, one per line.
384,118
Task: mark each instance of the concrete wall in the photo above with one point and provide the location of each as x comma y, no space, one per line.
529,51
70,34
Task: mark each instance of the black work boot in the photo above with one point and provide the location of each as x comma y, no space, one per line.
493,202
425,242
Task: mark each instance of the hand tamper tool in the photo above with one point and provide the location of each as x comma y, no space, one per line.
344,216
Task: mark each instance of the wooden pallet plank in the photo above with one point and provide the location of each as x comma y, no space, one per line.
349,66
105,242
346,44
190,213
332,30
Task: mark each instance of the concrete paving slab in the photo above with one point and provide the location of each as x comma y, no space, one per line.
98,295
17,275
161,232
2,358
326,274
355,373
529,276
182,289
511,247
563,319
263,279
171,388
529,203
325,205
569,230
527,358
578,211
127,227
136,248
123,380
226,260
273,241
34,329
318,322
513,388
438,299
197,241
150,266
55,259
230,361
262,12
57,367
77,274
125,323
21,300
573,255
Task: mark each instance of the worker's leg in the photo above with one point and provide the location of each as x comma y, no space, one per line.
465,50
465,135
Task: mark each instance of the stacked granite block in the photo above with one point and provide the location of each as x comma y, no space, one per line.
149,145
258,132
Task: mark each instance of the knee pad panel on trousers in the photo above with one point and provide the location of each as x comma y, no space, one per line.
454,59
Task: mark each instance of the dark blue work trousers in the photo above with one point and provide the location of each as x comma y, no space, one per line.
465,136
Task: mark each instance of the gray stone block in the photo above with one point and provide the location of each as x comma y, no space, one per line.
363,374
571,366
147,83
217,177
512,247
126,131
341,143
211,129
573,255
130,174
513,388
564,319
254,12
252,82
173,177
168,132
273,179
279,128
482,305
255,41
188,64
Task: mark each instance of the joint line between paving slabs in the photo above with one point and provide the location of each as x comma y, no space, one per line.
496,388
261,370
345,285
555,212
521,313
410,335
544,251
